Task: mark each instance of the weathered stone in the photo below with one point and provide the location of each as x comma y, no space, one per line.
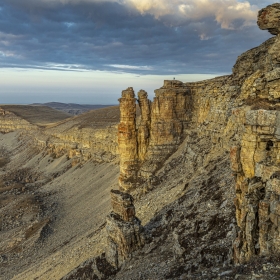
235,158
273,185
161,129
122,204
11,122
123,238
143,132
127,139
124,230
269,19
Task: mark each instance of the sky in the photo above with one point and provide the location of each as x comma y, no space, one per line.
88,51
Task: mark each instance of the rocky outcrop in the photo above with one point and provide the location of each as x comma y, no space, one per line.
10,122
239,113
255,159
74,138
99,144
143,132
125,233
127,140
269,19
160,130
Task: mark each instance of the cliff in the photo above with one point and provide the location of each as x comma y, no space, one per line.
92,135
199,166
237,113
10,122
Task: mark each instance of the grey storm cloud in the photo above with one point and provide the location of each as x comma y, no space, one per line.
136,36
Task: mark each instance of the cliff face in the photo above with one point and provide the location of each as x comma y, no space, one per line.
80,138
176,155
164,123
238,113
10,122
255,158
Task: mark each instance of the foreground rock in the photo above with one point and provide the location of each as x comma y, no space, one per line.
125,233
269,18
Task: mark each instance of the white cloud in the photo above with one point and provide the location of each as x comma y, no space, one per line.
131,67
225,12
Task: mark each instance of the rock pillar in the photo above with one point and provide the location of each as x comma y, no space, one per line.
127,140
125,233
145,123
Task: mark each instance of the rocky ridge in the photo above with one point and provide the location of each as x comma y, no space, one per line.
202,165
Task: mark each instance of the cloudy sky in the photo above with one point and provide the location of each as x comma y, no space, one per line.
87,51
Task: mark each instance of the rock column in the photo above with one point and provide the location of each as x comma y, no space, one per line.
145,123
125,233
127,140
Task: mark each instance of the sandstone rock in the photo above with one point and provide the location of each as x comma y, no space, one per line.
124,230
127,140
10,122
269,18
145,146
143,133
122,204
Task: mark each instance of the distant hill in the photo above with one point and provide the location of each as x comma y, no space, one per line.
39,115
71,108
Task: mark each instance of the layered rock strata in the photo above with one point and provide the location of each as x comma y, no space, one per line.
160,130
255,158
238,113
10,122
125,233
74,137
127,140
269,19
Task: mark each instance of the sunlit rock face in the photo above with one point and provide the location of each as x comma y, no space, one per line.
255,160
127,140
10,122
239,113
146,143
269,19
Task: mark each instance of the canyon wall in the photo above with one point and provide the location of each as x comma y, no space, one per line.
239,114
72,137
10,122
177,109
99,144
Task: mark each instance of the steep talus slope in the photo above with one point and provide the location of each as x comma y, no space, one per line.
52,206
190,221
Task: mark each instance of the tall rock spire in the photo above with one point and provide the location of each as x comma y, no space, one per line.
127,139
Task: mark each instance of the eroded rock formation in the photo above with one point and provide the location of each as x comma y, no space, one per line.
125,233
239,113
269,18
11,122
127,139
161,128
255,160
